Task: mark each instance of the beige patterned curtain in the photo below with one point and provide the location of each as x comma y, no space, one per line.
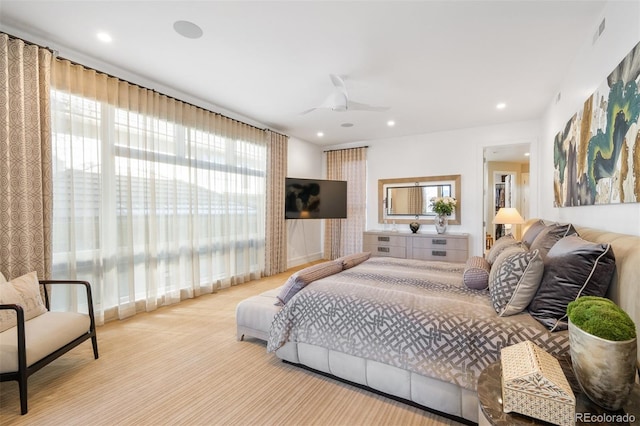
416,200
344,236
276,231
25,159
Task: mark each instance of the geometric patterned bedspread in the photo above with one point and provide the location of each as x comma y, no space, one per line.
411,314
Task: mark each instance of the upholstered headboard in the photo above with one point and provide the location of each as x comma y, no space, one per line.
625,286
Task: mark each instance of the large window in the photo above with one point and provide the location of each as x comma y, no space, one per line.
150,209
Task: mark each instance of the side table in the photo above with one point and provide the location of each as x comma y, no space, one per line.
587,412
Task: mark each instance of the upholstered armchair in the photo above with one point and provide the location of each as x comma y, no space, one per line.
31,335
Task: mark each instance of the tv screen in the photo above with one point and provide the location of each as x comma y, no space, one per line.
315,199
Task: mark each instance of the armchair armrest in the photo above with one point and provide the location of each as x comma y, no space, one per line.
85,284
45,283
22,342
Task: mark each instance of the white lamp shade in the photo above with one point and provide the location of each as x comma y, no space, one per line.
508,216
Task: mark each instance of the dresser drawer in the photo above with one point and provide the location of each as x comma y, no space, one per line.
384,240
446,255
444,247
388,251
440,243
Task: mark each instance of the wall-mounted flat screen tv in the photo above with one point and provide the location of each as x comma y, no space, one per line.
315,199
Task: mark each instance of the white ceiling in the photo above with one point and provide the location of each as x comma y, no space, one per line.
439,65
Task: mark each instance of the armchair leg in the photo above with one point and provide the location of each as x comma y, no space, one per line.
94,342
22,386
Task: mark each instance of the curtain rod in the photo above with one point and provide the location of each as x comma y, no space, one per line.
346,149
56,55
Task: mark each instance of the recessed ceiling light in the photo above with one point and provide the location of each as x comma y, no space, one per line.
391,123
104,37
526,154
320,134
347,125
187,29
501,105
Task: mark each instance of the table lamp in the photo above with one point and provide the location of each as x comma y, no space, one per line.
508,216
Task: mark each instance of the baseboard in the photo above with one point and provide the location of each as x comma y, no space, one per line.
301,260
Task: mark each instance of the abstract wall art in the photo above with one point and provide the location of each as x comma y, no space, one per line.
597,154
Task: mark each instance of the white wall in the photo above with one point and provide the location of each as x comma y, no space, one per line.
304,236
591,66
444,153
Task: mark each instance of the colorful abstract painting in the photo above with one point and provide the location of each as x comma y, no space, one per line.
597,155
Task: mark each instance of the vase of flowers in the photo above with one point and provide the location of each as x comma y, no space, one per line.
442,207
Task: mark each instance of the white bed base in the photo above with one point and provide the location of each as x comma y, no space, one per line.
255,314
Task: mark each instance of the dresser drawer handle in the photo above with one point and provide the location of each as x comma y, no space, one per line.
383,249
438,253
440,242
387,239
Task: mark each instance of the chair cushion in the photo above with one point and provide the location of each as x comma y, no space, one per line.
23,291
44,334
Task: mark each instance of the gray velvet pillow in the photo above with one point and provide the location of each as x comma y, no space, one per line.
549,236
515,282
573,268
476,273
532,232
499,246
302,278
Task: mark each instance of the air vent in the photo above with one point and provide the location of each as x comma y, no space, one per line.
599,31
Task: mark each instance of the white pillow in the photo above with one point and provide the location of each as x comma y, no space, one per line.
23,291
2,278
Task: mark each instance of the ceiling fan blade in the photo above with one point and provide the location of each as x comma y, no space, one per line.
357,106
338,82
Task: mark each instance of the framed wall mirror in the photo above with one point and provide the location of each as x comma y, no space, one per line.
406,200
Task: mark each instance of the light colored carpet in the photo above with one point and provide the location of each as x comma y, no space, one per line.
182,365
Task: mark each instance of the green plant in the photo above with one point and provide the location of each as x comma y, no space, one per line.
443,205
601,317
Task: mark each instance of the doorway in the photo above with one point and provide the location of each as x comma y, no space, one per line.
506,181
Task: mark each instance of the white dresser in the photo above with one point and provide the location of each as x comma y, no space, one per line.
446,247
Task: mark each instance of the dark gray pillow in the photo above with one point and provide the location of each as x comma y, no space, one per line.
573,268
549,236
532,232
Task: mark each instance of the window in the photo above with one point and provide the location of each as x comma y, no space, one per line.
151,210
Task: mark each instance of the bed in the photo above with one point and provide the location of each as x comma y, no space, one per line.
411,329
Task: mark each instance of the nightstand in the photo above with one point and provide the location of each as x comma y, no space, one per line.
587,412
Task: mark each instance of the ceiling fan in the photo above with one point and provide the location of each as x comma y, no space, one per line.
339,100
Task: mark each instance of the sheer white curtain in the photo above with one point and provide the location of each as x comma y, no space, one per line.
155,200
344,236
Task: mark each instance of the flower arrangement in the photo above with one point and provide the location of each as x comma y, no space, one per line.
443,205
